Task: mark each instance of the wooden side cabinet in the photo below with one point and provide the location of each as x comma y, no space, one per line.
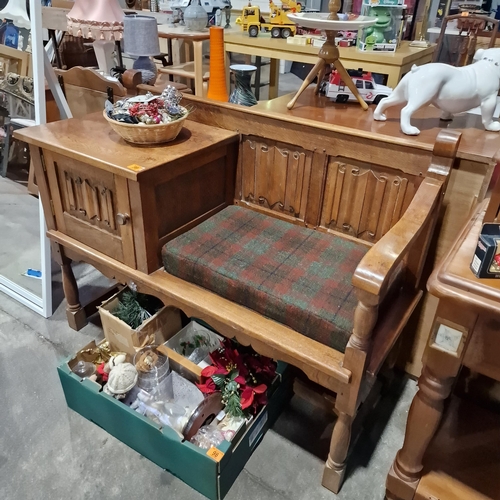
459,458
122,200
126,201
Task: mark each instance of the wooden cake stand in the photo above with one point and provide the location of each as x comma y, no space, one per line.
329,52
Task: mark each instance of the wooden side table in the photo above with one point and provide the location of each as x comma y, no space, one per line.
192,70
465,333
392,64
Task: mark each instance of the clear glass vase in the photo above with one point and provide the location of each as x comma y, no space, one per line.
242,93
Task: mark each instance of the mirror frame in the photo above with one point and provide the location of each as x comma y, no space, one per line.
42,305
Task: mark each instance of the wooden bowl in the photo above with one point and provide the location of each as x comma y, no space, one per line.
147,134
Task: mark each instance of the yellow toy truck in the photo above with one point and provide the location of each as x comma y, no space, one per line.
279,25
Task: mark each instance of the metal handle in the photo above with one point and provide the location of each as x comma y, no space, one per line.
122,219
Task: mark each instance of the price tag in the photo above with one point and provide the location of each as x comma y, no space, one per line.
215,454
135,168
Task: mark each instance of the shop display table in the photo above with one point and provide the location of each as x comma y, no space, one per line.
465,333
394,65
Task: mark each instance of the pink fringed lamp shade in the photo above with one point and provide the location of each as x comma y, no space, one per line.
97,19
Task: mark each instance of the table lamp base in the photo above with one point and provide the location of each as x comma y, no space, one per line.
148,69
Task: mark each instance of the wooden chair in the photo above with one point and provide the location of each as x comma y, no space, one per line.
458,50
86,90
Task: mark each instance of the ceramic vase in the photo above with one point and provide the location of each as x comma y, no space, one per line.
242,93
217,89
195,17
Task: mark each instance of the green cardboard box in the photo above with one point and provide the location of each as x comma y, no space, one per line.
162,445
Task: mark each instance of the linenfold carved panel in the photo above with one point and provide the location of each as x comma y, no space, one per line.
365,201
275,175
88,200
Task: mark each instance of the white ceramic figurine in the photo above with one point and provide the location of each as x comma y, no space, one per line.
452,90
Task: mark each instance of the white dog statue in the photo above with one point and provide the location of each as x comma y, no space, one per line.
452,90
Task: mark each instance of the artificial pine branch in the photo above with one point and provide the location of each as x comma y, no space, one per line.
230,395
135,308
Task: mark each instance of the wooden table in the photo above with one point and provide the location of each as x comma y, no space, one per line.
468,182
465,333
394,65
192,70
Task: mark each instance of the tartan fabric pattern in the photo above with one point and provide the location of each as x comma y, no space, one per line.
294,275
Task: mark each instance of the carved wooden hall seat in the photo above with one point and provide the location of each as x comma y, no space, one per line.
307,245
339,296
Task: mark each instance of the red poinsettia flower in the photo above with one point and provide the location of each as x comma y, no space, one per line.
229,359
234,363
208,386
260,365
208,371
248,395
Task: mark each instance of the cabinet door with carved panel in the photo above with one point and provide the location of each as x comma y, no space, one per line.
365,200
92,206
274,176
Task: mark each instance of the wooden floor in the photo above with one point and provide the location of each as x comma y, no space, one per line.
463,462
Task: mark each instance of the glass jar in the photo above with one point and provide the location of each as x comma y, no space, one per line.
155,376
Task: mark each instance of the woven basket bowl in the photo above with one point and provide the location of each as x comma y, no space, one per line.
147,134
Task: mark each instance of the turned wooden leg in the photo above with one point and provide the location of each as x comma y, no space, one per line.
75,313
389,496
442,362
318,67
321,75
333,474
426,408
365,317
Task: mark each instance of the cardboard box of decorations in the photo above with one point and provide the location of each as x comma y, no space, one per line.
124,338
211,472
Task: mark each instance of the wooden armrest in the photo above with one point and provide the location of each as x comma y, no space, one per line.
376,270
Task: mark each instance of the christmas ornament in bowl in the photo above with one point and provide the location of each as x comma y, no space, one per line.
148,119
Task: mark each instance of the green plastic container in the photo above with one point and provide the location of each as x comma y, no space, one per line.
162,445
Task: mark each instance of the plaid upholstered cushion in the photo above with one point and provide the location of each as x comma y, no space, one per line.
293,275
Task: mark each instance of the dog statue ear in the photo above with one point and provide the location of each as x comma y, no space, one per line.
479,54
